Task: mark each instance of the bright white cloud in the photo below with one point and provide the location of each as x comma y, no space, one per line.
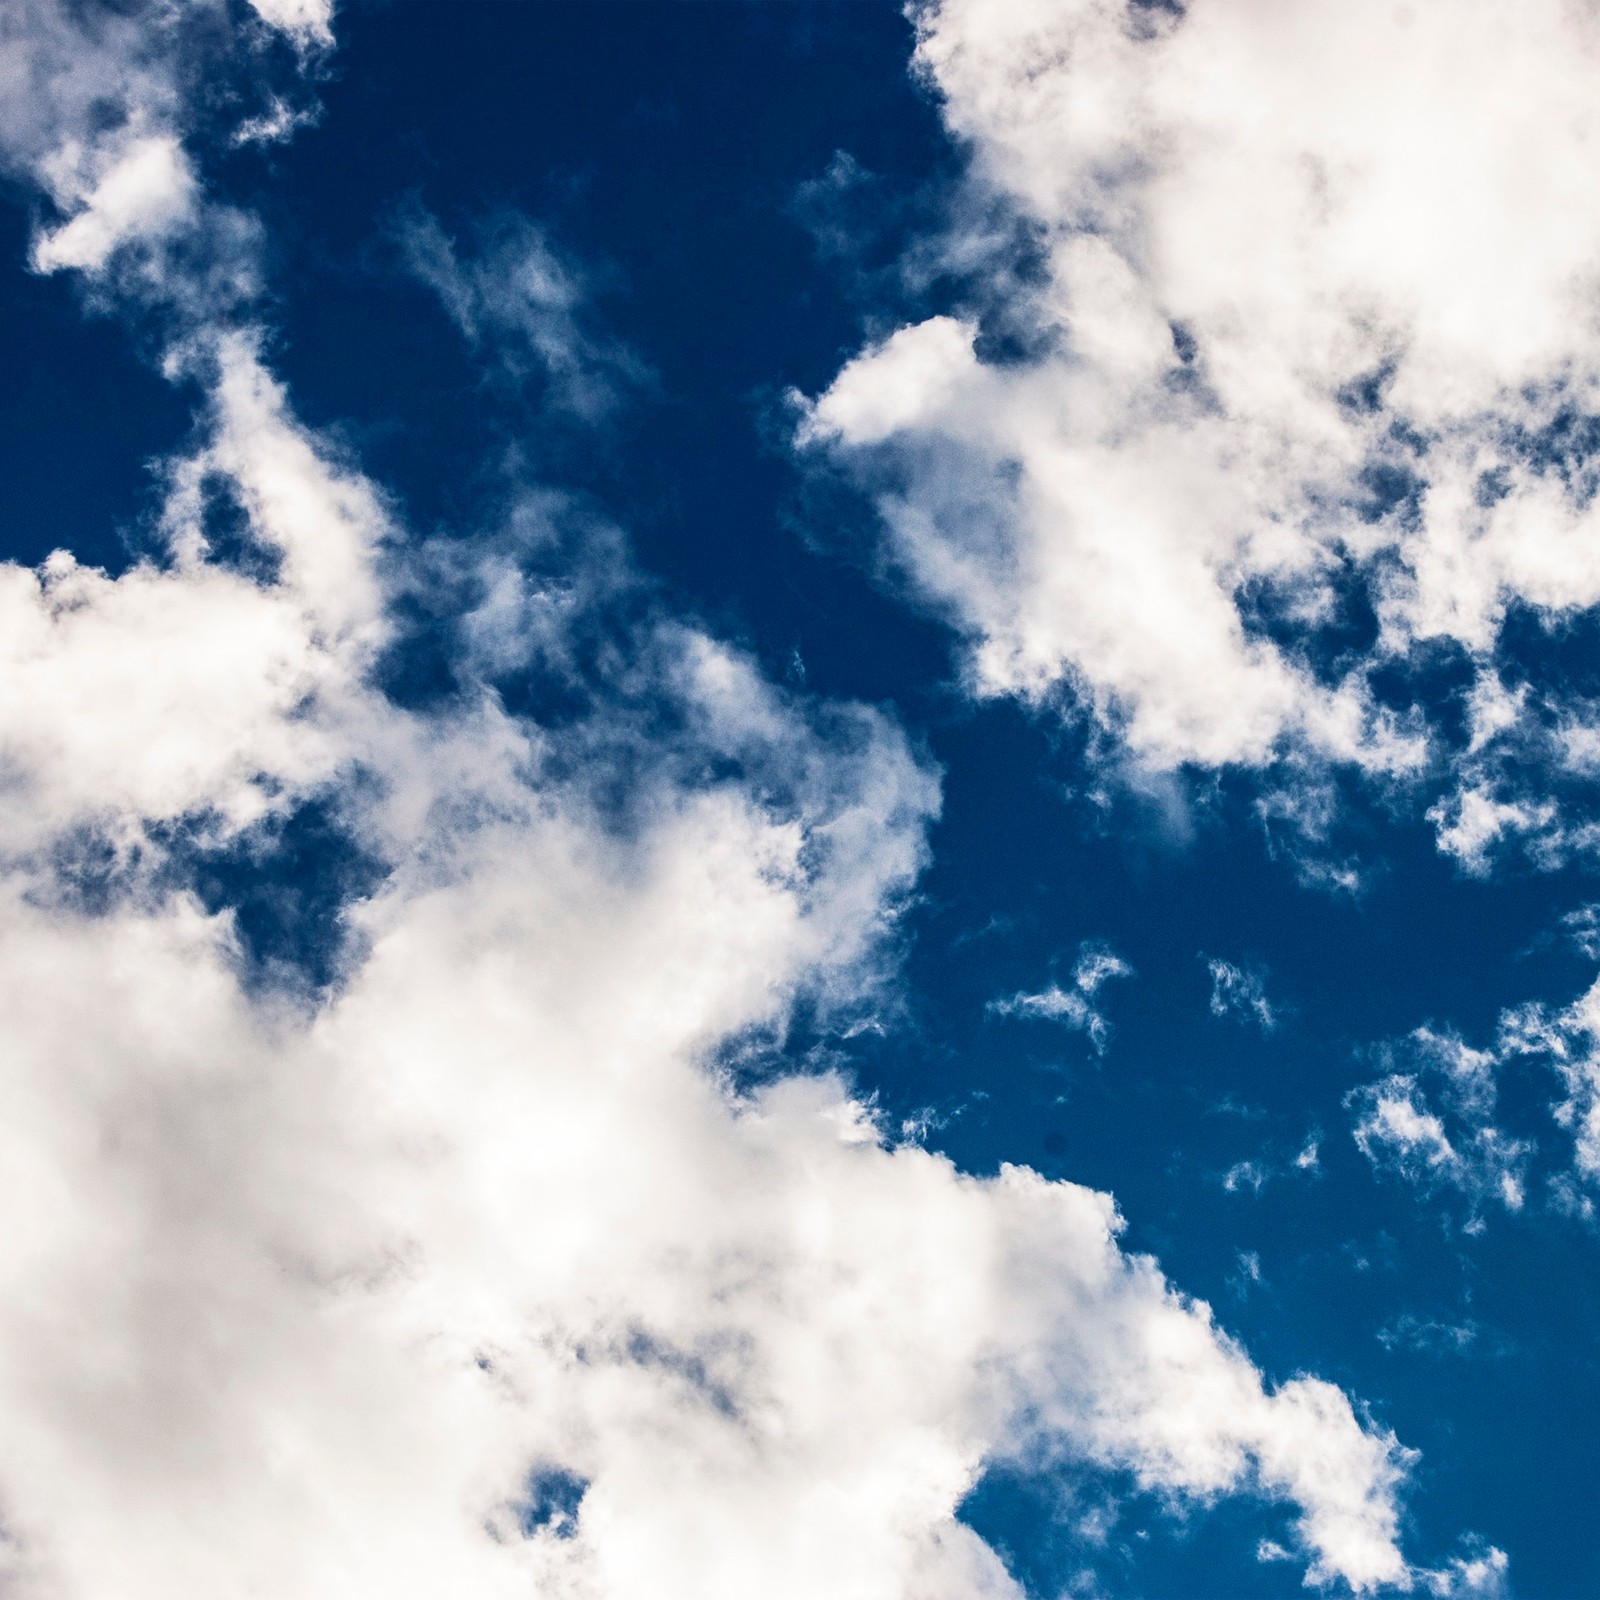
1318,290
189,690
94,113
308,22
147,190
303,1293
340,1276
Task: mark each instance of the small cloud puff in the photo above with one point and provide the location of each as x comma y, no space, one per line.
1241,992
1073,1006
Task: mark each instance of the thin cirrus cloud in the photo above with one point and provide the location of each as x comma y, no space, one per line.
1309,328
466,1272
515,297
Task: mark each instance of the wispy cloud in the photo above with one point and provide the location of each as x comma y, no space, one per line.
1241,992
518,298
1430,1120
1073,1006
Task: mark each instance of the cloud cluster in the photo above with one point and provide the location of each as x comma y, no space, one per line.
333,1280
1399,1131
1435,1117
1290,402
96,104
468,1271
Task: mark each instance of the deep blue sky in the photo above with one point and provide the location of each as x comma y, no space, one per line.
669,147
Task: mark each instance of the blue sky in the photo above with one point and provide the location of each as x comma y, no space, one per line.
799,798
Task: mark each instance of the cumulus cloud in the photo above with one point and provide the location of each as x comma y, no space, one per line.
470,1270
1074,1007
1296,383
352,1276
187,689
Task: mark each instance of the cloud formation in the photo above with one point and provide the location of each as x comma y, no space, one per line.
1289,402
1434,1118
469,1270
357,1266
1241,992
519,298
1074,1007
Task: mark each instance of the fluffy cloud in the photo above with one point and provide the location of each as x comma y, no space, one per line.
333,1281
308,22
471,1270
145,190
1300,376
187,689
96,102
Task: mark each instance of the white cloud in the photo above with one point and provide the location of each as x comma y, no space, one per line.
189,689
1253,1175
308,22
1485,1572
1433,1122
1471,822
95,109
1241,992
146,190
1567,1040
1073,1007
276,125
301,1293
326,1281
1316,287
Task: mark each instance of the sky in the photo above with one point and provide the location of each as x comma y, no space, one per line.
798,798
